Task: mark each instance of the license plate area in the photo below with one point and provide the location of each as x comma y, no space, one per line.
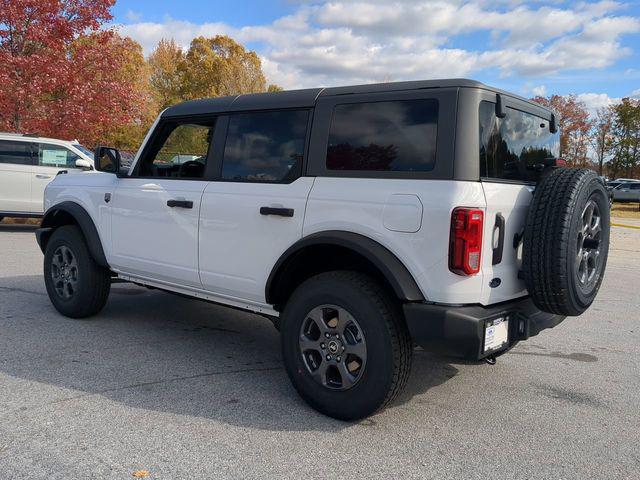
496,334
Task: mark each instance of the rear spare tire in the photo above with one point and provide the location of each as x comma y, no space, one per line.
566,241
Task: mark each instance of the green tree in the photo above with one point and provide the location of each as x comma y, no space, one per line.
625,142
220,66
167,64
574,124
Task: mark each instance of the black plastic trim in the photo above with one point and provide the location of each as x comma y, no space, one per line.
459,330
393,270
282,212
497,251
84,221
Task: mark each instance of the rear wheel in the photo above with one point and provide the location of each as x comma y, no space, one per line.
76,285
345,345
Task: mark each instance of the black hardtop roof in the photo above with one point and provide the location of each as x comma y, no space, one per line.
307,97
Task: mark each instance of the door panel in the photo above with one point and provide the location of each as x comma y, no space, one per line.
40,178
149,237
511,202
15,188
15,176
238,245
49,159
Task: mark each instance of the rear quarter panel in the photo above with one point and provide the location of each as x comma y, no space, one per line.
358,205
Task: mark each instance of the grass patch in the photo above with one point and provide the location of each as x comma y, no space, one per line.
626,210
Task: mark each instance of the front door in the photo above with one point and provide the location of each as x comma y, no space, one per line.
255,209
155,210
49,159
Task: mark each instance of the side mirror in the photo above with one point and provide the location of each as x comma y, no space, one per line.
84,164
107,160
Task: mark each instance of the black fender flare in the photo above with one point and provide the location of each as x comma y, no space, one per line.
53,219
395,272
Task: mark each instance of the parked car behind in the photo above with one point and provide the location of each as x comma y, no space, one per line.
626,192
28,163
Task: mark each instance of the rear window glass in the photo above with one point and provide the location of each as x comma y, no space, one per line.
395,136
17,153
510,147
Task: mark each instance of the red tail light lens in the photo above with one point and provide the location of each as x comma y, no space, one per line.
465,242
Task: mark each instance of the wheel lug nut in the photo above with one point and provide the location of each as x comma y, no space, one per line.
339,358
328,357
322,346
327,335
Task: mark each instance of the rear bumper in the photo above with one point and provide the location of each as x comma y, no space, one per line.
459,330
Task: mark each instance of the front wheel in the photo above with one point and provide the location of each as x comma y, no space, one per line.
77,286
345,345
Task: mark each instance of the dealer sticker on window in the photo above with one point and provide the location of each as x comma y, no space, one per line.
496,334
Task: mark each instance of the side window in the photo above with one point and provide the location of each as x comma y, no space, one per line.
265,146
511,146
16,153
396,136
179,150
50,155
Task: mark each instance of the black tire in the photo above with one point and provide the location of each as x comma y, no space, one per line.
555,242
92,282
388,344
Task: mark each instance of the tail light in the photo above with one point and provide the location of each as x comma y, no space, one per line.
465,241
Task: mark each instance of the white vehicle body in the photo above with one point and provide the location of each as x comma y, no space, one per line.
360,220
28,164
409,217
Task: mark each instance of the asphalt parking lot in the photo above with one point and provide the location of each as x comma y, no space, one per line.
184,389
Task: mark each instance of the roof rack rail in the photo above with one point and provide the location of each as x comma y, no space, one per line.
14,134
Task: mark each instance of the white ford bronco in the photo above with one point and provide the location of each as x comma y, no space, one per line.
361,220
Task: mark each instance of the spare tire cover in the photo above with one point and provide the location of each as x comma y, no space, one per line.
566,241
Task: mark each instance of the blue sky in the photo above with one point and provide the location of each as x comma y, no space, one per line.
588,48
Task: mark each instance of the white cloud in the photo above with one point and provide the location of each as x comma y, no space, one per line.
342,41
539,91
635,94
595,101
132,16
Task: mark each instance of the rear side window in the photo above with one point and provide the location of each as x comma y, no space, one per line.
16,153
395,136
510,147
265,146
56,156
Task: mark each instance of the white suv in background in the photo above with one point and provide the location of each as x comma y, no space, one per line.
28,163
360,220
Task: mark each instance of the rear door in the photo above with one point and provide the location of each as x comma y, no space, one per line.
510,148
254,210
15,176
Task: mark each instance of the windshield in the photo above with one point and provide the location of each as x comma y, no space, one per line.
84,150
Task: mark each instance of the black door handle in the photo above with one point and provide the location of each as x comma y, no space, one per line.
282,212
497,251
180,203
